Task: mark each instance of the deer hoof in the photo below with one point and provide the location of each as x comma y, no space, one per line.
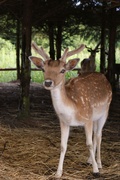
58,174
96,175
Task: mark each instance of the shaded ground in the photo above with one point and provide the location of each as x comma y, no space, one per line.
30,150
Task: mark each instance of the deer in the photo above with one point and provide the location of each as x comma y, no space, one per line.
88,64
82,101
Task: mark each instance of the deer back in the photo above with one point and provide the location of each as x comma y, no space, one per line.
88,65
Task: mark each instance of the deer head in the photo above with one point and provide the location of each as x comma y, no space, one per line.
57,67
93,51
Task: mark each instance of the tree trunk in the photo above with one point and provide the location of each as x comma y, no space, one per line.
26,51
103,35
58,41
111,54
51,41
18,50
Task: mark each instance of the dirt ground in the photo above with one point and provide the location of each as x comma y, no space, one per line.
29,150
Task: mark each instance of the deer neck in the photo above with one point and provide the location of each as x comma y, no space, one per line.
59,92
61,102
92,57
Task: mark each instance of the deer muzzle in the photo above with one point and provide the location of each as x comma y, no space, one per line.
48,84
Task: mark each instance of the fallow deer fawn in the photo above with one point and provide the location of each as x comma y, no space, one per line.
83,101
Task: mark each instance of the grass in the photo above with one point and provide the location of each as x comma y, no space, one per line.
37,76
8,60
7,76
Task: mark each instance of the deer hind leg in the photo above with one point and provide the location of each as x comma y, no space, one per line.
64,140
97,129
89,132
94,141
100,124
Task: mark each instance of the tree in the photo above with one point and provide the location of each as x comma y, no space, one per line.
112,42
26,51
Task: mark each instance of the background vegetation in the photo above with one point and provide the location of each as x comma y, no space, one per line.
8,56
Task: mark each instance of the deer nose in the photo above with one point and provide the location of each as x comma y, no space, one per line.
48,83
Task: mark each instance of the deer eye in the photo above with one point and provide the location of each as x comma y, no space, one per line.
62,71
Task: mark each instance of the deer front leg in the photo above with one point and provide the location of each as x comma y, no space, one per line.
88,132
64,140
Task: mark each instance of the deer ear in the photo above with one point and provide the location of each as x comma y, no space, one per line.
38,62
71,64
